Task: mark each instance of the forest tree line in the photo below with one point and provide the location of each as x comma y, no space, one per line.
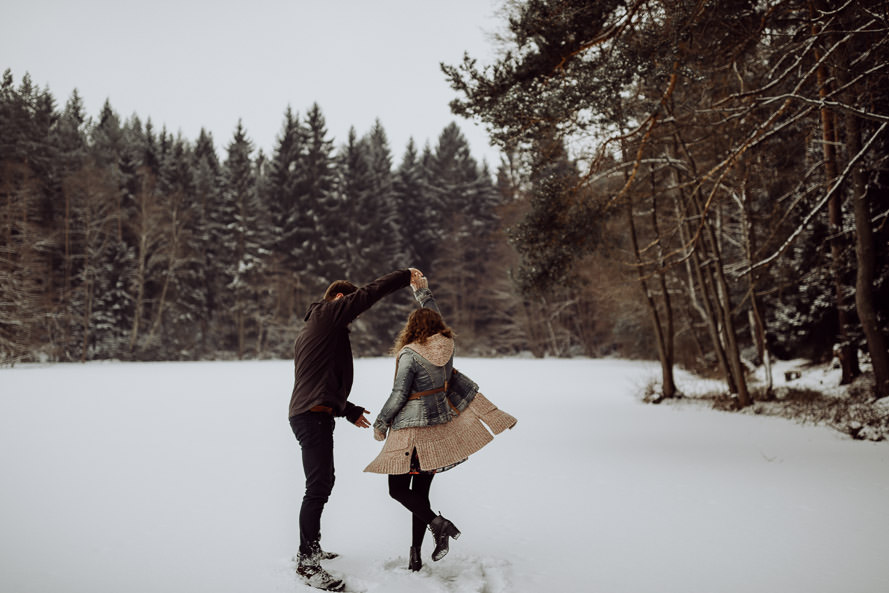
122,241
733,154
703,183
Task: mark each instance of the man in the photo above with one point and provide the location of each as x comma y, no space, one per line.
323,375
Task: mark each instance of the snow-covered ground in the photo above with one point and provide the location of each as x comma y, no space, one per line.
185,478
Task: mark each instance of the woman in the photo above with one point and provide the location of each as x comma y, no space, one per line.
433,419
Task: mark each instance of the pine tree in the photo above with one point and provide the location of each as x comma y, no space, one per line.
464,201
370,236
389,242
284,167
112,315
209,233
26,258
143,229
242,251
410,194
318,218
82,213
278,193
180,297
354,202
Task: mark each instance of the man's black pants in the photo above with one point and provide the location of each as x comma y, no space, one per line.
314,431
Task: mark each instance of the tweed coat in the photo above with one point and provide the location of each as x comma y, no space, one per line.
445,427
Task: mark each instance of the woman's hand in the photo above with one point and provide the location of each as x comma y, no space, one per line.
379,434
418,280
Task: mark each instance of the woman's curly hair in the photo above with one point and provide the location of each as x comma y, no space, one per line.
421,325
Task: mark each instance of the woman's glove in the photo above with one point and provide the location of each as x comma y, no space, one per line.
379,435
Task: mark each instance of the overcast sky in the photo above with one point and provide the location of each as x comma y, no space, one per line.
189,64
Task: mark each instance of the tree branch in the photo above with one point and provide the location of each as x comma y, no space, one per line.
789,241
822,104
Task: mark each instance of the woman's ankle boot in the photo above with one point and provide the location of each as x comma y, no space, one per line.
441,530
415,563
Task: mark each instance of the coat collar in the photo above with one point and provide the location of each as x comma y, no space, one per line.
436,349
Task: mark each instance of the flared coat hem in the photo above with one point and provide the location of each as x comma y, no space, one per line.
441,445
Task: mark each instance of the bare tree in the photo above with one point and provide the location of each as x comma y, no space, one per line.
148,232
92,199
24,268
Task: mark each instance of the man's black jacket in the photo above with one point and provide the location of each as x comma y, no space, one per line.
322,354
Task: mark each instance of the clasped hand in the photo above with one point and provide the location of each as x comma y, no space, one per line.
418,280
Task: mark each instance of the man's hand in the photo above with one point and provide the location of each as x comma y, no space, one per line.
362,422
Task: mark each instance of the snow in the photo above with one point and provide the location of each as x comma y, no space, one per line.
185,477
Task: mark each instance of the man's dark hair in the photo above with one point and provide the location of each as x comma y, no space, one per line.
339,286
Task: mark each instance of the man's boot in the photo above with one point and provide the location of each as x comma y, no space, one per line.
325,555
309,568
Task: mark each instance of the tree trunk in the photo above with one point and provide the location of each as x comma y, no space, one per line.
865,250
733,353
144,230
65,300
669,333
240,322
865,253
141,257
172,253
847,352
668,384
845,349
701,273
755,317
711,317
87,312
722,297
714,268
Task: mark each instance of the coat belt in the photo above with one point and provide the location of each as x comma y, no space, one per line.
420,394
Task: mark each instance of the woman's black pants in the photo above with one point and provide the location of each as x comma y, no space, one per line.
412,491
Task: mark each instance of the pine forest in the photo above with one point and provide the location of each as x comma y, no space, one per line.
701,183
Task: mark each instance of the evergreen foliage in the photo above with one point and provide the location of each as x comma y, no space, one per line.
119,241
705,183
